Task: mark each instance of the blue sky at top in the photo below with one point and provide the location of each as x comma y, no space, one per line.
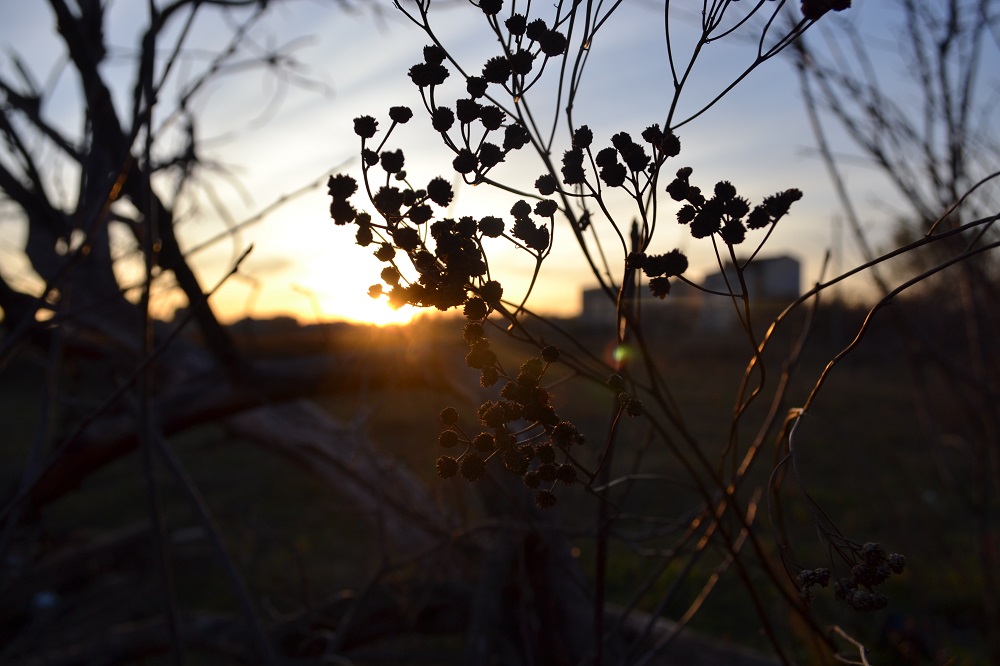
757,137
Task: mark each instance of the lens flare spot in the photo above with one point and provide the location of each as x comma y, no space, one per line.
621,354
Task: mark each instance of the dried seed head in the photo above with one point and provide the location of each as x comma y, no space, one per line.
545,499
473,467
448,439
484,443
566,474
446,467
449,416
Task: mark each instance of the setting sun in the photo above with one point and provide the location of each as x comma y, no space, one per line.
362,309
330,290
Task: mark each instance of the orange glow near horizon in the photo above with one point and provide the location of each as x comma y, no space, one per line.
311,308
367,310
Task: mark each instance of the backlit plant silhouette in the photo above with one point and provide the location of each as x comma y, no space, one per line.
485,115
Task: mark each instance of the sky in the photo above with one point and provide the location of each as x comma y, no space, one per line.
268,138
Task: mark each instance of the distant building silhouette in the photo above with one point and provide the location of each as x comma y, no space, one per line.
773,283
768,279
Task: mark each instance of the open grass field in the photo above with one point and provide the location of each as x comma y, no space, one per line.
863,455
